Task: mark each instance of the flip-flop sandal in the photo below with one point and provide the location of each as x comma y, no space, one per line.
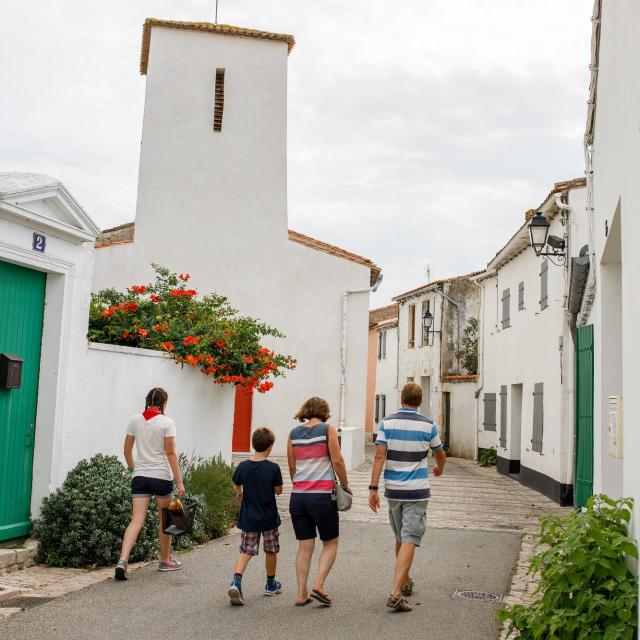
302,604
321,598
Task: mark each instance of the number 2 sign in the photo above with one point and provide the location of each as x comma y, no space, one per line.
39,242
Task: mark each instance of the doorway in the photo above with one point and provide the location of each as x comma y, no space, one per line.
22,294
446,409
242,415
515,436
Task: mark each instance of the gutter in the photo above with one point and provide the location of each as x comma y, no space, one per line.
343,347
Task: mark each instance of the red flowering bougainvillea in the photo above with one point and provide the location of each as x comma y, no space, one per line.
207,333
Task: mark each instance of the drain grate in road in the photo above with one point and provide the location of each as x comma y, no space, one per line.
23,602
478,596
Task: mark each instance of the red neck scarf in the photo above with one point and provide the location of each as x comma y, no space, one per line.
151,412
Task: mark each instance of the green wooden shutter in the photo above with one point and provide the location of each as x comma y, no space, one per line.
503,416
538,417
489,412
21,312
584,415
544,285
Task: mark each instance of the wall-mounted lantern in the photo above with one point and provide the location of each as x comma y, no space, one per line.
539,238
427,323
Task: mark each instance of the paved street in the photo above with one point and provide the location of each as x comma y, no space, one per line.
476,522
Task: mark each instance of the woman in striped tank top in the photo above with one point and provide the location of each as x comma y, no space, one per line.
312,450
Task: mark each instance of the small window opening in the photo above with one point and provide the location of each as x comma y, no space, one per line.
219,100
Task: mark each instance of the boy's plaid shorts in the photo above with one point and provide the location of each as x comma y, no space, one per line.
250,541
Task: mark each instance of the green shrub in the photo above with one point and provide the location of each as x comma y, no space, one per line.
587,590
488,457
211,480
82,523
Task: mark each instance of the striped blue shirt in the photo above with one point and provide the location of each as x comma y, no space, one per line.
408,436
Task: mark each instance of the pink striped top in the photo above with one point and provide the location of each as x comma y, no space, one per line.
314,472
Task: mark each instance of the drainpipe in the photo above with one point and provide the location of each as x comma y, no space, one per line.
343,347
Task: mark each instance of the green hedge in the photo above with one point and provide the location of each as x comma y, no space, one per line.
82,523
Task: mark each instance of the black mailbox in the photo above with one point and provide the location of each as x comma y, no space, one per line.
10,371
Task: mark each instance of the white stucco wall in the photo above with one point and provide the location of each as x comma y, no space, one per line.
113,383
537,347
462,436
387,374
616,191
214,204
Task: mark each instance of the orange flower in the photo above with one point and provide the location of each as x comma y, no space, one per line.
143,332
167,346
221,343
209,359
126,335
190,340
135,288
247,359
184,276
108,312
155,298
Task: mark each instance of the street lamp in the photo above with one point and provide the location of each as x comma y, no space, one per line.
538,231
427,323
539,238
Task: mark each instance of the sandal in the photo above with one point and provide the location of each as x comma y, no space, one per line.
322,598
302,604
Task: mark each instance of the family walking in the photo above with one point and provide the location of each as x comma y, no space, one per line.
318,473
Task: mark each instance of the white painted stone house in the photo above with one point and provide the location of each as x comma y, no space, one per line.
610,314
432,358
74,398
526,359
382,384
212,201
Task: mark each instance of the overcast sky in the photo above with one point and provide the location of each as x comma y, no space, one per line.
419,130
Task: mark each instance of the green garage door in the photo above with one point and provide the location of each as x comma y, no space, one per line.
584,415
21,311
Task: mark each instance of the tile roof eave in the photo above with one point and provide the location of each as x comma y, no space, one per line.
432,285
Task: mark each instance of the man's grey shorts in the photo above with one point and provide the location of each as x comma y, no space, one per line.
408,520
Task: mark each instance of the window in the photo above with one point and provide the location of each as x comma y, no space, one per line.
218,107
538,417
506,308
382,345
503,416
489,412
544,294
381,407
426,307
412,326
521,296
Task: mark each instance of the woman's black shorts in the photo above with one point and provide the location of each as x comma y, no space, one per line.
143,487
311,511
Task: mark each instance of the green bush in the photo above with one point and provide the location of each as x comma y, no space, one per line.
211,480
587,589
82,523
488,457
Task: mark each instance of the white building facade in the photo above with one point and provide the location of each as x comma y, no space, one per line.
610,310
526,386
432,358
212,201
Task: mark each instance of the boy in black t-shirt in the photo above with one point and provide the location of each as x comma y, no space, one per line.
257,482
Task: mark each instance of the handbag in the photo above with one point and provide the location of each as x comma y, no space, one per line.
342,498
176,522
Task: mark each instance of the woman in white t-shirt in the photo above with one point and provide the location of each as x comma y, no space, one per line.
155,467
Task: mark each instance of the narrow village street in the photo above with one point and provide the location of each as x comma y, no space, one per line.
476,522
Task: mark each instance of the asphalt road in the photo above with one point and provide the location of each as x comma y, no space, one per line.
193,603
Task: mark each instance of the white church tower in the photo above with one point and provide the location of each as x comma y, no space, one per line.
214,132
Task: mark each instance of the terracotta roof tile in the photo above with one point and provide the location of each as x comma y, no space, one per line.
458,378
224,29
383,315
429,285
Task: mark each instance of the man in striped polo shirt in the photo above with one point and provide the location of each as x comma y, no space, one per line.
403,442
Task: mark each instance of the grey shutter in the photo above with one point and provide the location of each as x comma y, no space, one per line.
521,296
377,416
384,345
506,308
544,294
383,411
503,416
379,345
489,412
538,417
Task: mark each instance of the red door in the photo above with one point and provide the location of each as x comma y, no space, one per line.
242,421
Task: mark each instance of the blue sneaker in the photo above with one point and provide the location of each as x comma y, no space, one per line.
273,588
235,594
